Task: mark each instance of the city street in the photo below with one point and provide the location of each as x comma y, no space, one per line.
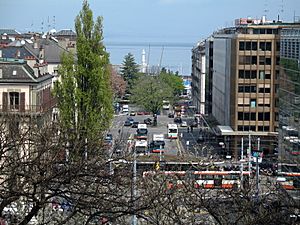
192,142
121,134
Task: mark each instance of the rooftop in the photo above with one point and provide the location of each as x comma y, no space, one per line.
8,31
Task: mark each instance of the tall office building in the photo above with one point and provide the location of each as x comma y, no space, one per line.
198,77
242,67
289,100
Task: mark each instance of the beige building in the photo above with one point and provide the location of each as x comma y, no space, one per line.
22,91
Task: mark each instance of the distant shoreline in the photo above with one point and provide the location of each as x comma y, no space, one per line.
151,44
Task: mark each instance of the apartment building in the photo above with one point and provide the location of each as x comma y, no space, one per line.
289,100
24,93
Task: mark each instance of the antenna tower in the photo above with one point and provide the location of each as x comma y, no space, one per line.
281,10
266,6
53,22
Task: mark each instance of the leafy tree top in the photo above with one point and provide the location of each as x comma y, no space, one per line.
84,92
129,69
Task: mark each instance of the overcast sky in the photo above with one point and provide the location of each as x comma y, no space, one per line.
185,21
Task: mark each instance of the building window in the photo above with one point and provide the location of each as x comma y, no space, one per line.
265,46
278,46
264,90
14,100
268,46
277,60
254,45
247,74
240,116
248,60
263,128
248,45
261,75
264,60
241,45
253,103
247,89
263,116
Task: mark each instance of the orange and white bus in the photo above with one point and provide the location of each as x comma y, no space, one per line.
219,179
289,180
203,179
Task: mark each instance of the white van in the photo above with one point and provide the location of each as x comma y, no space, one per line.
125,109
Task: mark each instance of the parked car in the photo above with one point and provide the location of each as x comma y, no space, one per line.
177,120
140,113
109,137
171,115
194,124
183,124
200,139
132,113
148,121
127,123
130,119
108,140
135,124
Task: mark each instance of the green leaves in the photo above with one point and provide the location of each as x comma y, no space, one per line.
150,91
129,70
84,91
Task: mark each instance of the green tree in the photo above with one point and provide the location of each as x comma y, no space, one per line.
173,80
84,92
149,92
129,70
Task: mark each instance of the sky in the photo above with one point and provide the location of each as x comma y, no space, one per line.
144,21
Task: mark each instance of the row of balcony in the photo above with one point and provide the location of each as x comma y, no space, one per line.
27,109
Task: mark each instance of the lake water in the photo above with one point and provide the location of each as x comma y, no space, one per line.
173,56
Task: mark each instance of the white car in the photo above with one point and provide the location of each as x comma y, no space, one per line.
183,124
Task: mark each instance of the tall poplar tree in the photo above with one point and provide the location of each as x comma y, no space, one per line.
84,91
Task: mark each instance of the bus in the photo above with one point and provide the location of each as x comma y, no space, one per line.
203,179
219,179
166,105
142,132
158,144
289,180
141,147
172,131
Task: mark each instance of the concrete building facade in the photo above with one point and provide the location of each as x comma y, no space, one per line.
289,100
242,71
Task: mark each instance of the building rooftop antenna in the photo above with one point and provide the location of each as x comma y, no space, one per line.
266,6
53,22
281,11
42,26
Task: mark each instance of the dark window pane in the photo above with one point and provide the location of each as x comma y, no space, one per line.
268,46
240,116
254,45
248,45
242,45
241,73
262,46
253,74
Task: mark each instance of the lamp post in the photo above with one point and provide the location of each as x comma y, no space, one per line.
257,169
134,219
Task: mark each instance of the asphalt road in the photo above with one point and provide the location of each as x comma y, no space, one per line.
122,133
